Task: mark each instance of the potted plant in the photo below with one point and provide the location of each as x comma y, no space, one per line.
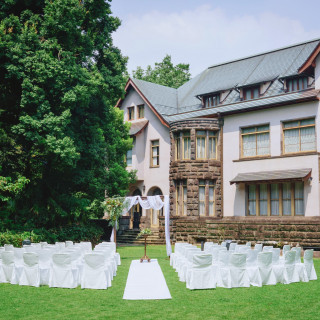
145,233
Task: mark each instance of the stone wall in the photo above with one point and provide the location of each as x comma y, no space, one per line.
304,231
194,170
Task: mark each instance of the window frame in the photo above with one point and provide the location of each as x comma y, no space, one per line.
131,109
290,83
211,101
269,199
251,89
127,158
151,153
206,146
140,106
256,133
207,184
179,151
299,127
181,202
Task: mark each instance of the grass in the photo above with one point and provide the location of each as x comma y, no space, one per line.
294,301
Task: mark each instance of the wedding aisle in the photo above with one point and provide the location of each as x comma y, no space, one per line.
146,282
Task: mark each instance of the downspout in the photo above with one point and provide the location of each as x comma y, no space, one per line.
221,123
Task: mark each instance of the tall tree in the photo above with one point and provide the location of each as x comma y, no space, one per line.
165,73
60,76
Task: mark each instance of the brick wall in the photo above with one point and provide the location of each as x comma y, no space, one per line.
304,231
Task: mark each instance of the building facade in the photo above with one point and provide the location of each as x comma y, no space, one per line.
238,144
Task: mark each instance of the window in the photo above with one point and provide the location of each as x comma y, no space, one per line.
251,93
297,84
206,144
212,101
182,138
299,136
275,199
255,141
206,198
154,153
131,113
181,197
129,158
141,111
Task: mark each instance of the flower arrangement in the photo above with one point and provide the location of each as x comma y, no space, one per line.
114,208
144,232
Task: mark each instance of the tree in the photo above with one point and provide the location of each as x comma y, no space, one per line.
60,77
164,73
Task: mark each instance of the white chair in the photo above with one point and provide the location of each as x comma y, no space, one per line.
60,245
7,266
298,254
8,247
86,245
285,249
30,272
248,244
95,273
109,258
232,246
223,244
223,275
112,245
62,275
267,249
18,264
252,268
290,274
45,258
258,246
265,268
176,252
238,271
200,275
208,246
188,263
69,244
308,263
275,255
43,244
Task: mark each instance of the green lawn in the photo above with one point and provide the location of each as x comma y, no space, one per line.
294,301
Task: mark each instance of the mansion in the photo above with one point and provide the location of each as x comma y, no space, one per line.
236,148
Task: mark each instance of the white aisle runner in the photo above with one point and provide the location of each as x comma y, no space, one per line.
146,281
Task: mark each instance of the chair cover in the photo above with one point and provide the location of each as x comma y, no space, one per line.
232,246
7,266
30,272
60,245
18,264
43,244
298,254
45,258
248,244
62,275
223,244
223,275
95,274
109,259
86,245
267,249
290,271
252,268
308,263
188,263
265,268
238,271
8,247
275,255
69,244
208,246
258,246
200,275
285,248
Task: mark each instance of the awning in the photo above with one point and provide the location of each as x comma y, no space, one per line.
137,127
269,176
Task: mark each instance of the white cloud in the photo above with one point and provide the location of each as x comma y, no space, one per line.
204,36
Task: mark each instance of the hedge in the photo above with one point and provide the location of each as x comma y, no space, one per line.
75,233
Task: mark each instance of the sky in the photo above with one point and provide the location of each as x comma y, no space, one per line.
208,32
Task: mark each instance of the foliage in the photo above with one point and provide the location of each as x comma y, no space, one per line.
113,207
76,233
144,232
28,303
60,77
165,73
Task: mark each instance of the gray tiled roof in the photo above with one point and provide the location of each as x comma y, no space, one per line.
297,174
174,104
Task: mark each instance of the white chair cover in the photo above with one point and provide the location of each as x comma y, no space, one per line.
223,275
298,254
223,244
238,272
18,264
60,245
285,248
258,246
188,263
8,247
275,255
200,275
290,272
265,268
308,263
86,245
7,266
232,246
30,272
252,268
62,275
267,249
69,244
95,274
248,244
45,258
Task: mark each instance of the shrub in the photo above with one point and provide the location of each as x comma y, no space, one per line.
75,233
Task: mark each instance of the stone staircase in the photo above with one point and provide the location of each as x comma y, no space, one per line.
129,237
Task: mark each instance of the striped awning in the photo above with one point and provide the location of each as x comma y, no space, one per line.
269,176
137,127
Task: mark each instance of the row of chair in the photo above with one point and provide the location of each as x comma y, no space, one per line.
241,266
63,265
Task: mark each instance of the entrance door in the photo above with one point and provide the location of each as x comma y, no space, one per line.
136,212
